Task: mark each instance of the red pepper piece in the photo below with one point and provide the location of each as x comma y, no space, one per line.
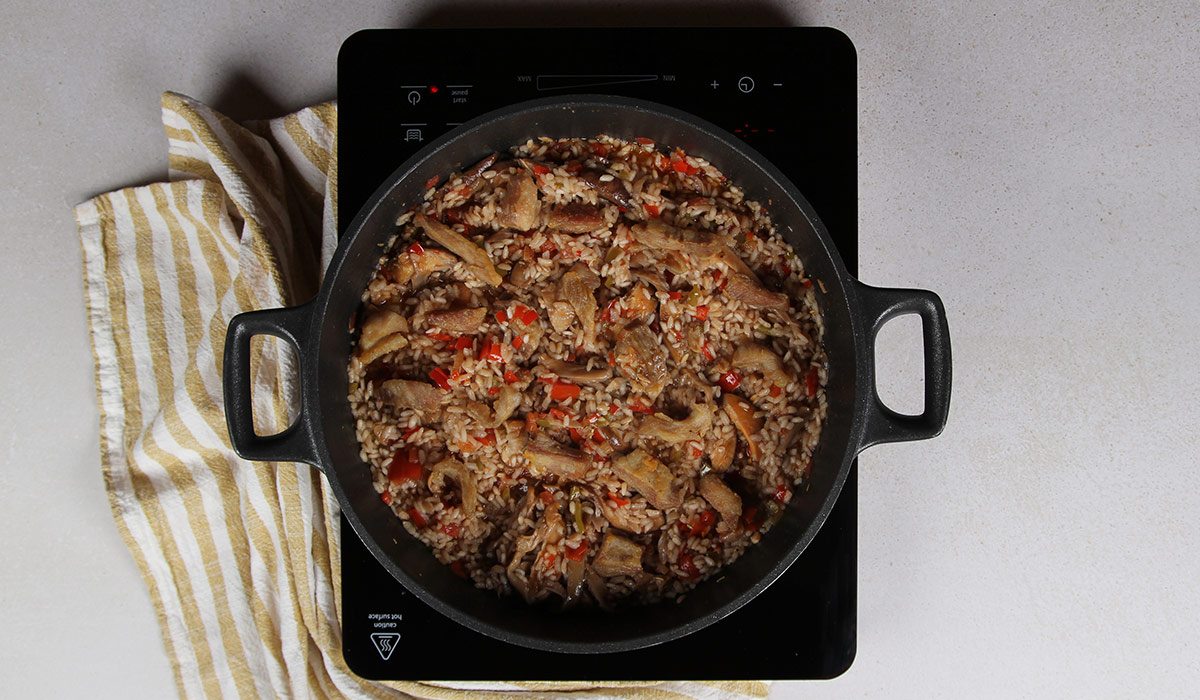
750,519
729,381
528,316
459,569
617,499
431,182
775,390
676,296
518,342
405,466
576,553
701,312
439,377
510,377
464,343
561,391
812,379
386,496
539,169
415,249
451,529
651,210
418,519
688,566
641,407
703,523
493,351
501,316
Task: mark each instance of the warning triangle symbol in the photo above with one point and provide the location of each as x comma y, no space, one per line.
385,643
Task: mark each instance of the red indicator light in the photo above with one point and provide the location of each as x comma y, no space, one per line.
433,88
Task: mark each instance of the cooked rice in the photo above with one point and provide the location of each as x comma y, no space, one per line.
525,511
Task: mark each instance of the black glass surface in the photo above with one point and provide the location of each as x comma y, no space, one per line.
790,93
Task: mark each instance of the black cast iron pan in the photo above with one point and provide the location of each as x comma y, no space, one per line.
323,435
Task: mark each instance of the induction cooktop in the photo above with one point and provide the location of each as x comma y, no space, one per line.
789,93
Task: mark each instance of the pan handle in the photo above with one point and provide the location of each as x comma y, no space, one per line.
295,444
880,305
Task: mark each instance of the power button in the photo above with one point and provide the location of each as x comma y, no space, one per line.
746,83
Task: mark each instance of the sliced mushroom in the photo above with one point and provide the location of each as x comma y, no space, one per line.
459,320
639,303
416,268
480,413
752,356
521,275
736,265
512,439
642,360
477,260
561,315
525,545
720,451
473,173
649,477
506,402
549,456
575,582
457,471
575,217
618,556
406,393
623,517
649,276
753,294
721,497
519,207
383,331
657,235
671,431
576,373
576,288
610,188
741,412
598,589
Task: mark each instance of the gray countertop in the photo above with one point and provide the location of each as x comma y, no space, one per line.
1037,166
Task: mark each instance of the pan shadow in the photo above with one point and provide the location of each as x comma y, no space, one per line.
672,13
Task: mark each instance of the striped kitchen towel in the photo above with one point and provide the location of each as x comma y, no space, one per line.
241,558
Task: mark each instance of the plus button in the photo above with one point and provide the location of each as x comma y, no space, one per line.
715,85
